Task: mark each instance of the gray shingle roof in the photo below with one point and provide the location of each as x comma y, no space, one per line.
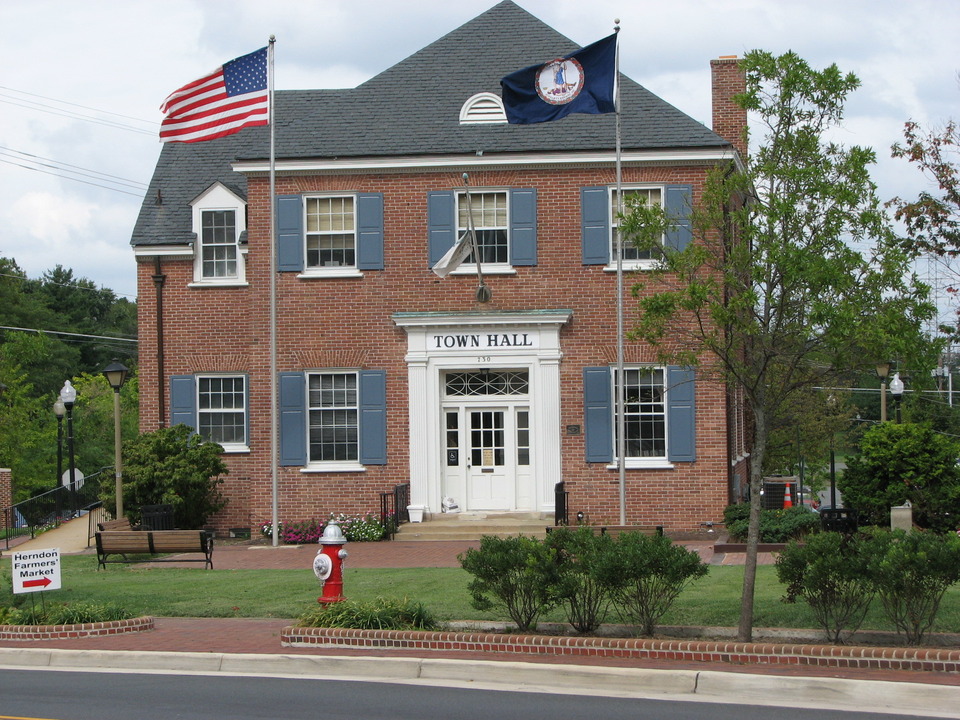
413,108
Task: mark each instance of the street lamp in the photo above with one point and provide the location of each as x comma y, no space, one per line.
116,375
896,389
883,370
59,409
68,396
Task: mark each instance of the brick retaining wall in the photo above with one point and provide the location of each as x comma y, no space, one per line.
823,656
58,632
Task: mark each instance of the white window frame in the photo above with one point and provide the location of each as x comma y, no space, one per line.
641,461
490,268
330,270
630,264
336,465
243,411
219,198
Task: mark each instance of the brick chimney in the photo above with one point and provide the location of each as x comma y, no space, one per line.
729,119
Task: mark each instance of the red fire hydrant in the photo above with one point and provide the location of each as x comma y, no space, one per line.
328,564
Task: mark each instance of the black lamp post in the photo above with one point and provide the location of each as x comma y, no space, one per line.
896,389
116,375
59,409
68,395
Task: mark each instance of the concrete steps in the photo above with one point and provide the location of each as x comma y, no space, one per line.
472,526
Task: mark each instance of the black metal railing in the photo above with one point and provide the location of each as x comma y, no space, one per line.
48,509
393,508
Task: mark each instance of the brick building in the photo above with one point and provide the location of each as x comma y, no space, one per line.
387,373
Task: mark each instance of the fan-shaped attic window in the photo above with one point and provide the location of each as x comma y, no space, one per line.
482,108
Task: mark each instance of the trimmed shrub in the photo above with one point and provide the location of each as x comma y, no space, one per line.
380,614
828,572
66,614
645,574
584,596
776,526
911,572
516,574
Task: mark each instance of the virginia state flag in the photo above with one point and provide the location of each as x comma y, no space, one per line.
582,82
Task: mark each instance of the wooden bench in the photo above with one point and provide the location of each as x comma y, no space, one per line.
154,542
121,524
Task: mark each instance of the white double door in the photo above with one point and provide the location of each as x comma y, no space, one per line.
488,456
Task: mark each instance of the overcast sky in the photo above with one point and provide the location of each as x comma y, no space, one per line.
82,82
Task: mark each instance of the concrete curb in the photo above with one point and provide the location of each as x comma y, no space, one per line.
706,686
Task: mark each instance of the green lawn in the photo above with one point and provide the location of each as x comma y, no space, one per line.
196,592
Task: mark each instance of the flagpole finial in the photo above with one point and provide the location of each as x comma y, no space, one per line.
466,179
616,25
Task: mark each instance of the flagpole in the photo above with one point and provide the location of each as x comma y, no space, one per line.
274,485
621,380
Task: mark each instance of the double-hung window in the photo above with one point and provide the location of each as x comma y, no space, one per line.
658,415
222,409
632,254
644,412
216,406
333,420
488,213
334,417
505,222
331,237
219,253
599,221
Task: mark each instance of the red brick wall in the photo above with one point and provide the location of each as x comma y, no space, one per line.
347,323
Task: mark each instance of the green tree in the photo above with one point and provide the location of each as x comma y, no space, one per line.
795,277
933,219
171,466
901,462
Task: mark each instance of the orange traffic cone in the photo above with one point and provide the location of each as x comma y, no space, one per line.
787,498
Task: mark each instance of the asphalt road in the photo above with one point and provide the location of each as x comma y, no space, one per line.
55,695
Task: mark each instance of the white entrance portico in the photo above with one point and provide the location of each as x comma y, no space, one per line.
484,399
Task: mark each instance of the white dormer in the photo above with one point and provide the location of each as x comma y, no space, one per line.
219,222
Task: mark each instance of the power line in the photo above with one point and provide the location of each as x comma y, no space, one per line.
67,177
67,167
70,334
65,112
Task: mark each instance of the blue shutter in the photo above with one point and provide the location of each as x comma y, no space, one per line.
293,419
681,415
441,223
523,227
598,414
370,231
183,401
290,240
678,202
373,417
595,225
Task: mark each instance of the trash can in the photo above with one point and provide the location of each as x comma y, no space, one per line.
560,505
156,517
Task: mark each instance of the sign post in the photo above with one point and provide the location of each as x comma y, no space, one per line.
35,570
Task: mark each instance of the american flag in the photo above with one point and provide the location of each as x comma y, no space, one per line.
227,100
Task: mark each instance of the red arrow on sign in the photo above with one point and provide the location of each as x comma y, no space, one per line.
42,582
